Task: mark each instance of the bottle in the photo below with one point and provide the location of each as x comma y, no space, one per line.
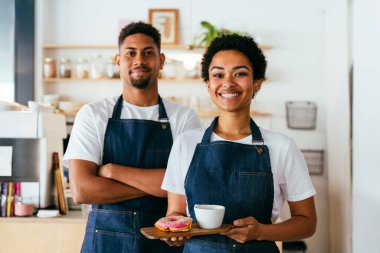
49,68
97,67
81,68
111,70
65,68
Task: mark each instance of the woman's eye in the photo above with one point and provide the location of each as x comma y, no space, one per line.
240,74
217,75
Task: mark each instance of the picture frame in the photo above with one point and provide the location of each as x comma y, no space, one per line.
166,22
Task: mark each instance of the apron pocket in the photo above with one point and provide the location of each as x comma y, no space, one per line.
107,241
197,246
115,221
252,194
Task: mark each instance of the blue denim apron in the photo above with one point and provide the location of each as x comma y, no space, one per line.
137,143
234,175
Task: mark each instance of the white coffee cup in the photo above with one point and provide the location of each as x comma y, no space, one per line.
209,216
51,99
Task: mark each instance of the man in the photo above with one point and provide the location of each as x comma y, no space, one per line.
119,148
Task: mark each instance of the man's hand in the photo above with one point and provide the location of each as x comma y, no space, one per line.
245,230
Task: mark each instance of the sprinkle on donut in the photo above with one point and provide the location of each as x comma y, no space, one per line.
174,224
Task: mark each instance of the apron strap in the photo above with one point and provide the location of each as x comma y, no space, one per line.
257,139
162,116
117,109
256,133
207,135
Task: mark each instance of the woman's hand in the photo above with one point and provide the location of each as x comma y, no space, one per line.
106,171
245,230
176,241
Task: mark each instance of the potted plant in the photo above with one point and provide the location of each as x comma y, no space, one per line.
205,38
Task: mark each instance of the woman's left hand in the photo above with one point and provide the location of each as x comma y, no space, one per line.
176,241
245,230
106,170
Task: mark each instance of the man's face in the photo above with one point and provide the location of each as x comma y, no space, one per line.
139,61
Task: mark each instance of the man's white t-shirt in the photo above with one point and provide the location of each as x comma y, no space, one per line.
87,135
291,178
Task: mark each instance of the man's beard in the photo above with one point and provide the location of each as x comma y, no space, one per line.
140,83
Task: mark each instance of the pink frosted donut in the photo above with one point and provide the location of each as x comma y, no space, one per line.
174,223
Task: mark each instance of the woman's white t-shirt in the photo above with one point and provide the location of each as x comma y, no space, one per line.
291,178
87,136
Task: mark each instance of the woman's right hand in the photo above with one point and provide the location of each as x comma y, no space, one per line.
176,241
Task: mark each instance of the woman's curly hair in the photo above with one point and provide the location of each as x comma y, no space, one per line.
242,43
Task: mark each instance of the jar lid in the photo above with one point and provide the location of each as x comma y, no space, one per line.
81,60
65,60
48,59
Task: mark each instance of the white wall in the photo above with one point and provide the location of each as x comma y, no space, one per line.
338,124
296,64
366,125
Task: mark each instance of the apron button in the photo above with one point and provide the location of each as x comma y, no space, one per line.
134,213
163,126
234,246
96,231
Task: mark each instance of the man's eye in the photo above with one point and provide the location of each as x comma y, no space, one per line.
131,53
149,53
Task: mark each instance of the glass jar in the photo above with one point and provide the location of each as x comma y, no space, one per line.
169,70
49,68
81,68
111,70
65,68
23,207
97,67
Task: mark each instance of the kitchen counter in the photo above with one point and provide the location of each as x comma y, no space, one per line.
62,234
71,217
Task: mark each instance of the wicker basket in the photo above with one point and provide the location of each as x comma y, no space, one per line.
301,114
314,160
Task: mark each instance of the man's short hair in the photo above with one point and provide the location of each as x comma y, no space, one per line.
140,27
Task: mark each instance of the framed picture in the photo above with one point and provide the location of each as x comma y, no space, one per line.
166,22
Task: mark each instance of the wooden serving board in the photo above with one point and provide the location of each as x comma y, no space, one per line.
155,233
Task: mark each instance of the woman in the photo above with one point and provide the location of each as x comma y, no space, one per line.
234,163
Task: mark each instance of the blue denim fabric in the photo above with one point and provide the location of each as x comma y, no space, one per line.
200,245
234,175
137,143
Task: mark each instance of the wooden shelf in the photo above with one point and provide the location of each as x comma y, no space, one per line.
101,46
79,46
112,46
53,80
181,80
161,80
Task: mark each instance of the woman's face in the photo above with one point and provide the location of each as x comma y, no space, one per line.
231,85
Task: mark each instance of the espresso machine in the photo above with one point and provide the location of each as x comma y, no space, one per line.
32,137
